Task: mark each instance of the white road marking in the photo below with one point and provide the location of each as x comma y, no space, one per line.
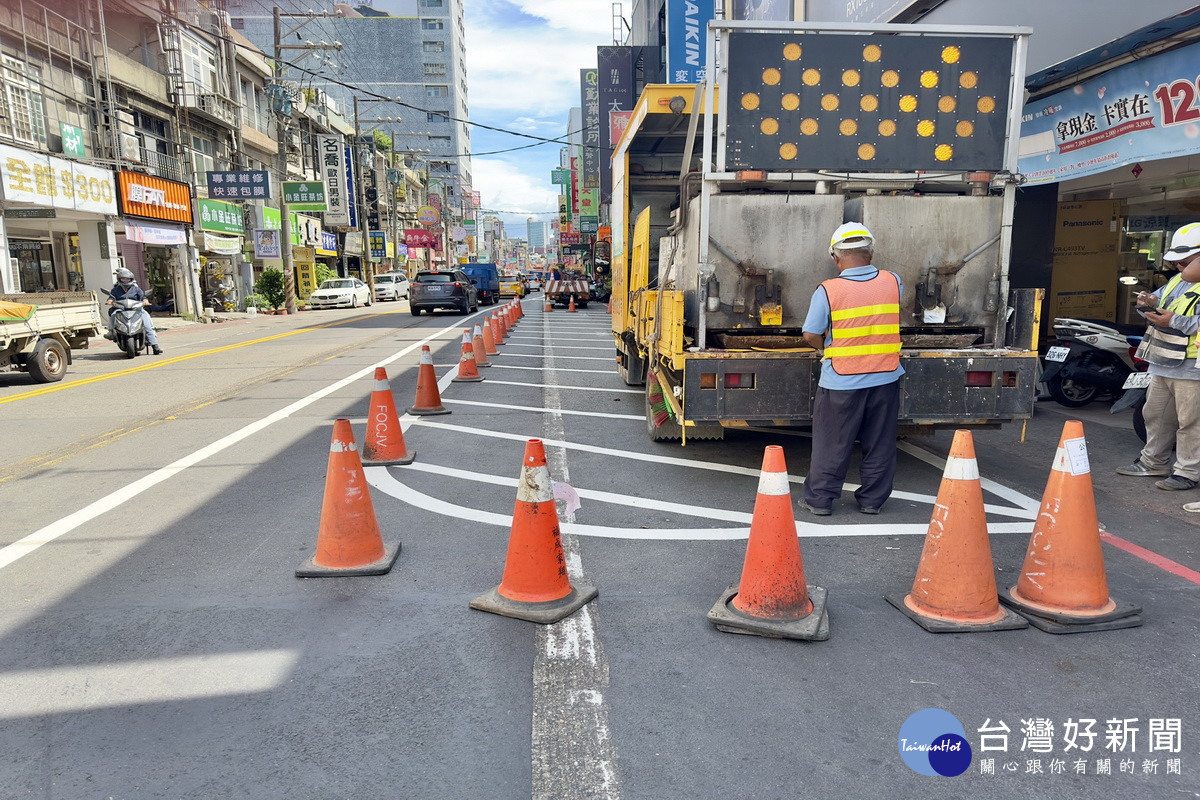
637,417
557,369
639,393
989,485
573,358
556,346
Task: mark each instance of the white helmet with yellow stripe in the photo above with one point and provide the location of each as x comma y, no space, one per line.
1185,243
851,236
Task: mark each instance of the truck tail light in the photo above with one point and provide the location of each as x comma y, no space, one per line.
980,378
739,380
708,380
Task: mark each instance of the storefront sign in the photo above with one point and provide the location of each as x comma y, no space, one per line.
354,243
222,245
72,140
687,39
304,195
331,150
30,213
36,179
272,218
560,177
614,69
304,261
267,243
1140,111
151,233
589,159
220,217
378,245
242,184
415,237
154,197
428,215
328,245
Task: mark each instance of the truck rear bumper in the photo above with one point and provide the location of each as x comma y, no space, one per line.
938,389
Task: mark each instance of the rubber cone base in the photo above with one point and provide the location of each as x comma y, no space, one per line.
544,613
476,379
309,569
1125,615
1009,622
412,454
428,412
813,628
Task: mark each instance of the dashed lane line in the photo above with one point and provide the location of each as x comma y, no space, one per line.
571,388
536,410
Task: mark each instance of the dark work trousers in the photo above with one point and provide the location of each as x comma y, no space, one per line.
841,417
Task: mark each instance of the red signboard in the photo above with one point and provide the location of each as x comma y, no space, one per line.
419,237
570,238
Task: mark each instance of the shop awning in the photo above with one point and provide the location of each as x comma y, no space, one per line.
222,245
154,232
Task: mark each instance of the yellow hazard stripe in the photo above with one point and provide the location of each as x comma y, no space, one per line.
861,350
848,235
866,311
866,330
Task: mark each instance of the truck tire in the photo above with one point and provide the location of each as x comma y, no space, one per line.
1071,394
416,311
48,362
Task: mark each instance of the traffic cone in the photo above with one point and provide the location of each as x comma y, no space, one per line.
497,328
384,443
489,342
478,346
571,305
504,321
348,539
429,400
535,585
772,598
549,306
955,587
520,309
467,371
1063,587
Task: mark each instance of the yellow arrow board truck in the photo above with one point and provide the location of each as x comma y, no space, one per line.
721,222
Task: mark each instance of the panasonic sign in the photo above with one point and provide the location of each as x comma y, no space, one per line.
687,37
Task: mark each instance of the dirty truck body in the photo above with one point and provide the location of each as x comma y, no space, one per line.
721,223
40,330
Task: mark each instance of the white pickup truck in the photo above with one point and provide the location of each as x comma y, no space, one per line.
38,331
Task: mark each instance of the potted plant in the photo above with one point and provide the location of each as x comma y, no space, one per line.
270,286
254,302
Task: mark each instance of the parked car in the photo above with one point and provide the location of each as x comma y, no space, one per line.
350,292
391,286
512,286
444,289
486,278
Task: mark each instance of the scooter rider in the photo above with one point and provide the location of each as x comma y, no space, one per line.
126,288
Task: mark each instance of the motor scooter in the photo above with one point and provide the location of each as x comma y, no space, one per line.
1135,387
128,331
1091,358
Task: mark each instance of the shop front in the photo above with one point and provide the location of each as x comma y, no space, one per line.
326,253
221,245
55,223
156,215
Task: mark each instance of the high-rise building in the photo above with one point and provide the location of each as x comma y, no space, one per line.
537,234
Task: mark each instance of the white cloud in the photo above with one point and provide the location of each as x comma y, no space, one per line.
504,187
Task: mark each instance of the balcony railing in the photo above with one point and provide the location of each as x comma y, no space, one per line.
162,165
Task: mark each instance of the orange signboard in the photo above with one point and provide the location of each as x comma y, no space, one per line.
154,198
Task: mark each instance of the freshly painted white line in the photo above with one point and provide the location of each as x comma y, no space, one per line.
591,338
556,346
75,688
557,369
28,544
491,380
386,482
542,355
656,458
638,417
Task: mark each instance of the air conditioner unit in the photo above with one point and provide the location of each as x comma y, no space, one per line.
293,140
130,148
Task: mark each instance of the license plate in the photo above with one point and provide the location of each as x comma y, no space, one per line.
1137,380
1057,353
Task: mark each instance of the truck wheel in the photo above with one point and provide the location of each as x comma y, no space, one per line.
1069,393
48,362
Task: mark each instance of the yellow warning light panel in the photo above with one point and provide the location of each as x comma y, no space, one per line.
866,103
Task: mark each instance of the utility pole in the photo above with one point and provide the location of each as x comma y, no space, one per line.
368,265
281,133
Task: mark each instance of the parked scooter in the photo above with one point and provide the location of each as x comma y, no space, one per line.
129,333
1135,390
1092,358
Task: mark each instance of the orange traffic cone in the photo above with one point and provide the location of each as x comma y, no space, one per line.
429,400
535,585
549,306
955,587
467,371
571,305
489,343
384,444
505,320
772,598
520,309
348,539
497,328
479,348
1062,587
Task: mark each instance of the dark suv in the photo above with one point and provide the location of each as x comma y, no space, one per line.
445,289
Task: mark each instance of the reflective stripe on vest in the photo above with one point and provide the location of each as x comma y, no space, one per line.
1165,346
866,324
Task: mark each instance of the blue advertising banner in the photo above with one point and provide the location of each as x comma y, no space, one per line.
351,187
378,245
1141,111
687,39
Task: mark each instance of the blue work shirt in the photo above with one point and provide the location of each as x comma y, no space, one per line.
819,320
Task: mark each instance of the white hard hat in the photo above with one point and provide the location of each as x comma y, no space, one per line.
851,236
1185,243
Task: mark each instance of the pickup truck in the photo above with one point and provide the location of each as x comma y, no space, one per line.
38,331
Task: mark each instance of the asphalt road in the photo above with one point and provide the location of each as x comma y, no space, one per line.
156,643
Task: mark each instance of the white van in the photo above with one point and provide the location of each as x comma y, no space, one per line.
391,286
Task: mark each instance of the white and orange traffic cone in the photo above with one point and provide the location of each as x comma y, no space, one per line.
497,328
571,305
955,587
384,443
489,342
1063,587
428,400
348,538
479,348
467,371
535,585
772,599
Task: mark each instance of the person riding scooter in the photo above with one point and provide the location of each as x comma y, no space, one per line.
126,288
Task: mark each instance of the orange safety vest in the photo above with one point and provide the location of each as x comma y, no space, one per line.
866,324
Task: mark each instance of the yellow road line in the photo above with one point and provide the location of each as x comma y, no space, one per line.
58,387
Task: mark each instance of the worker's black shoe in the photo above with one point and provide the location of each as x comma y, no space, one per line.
816,510
868,510
156,350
